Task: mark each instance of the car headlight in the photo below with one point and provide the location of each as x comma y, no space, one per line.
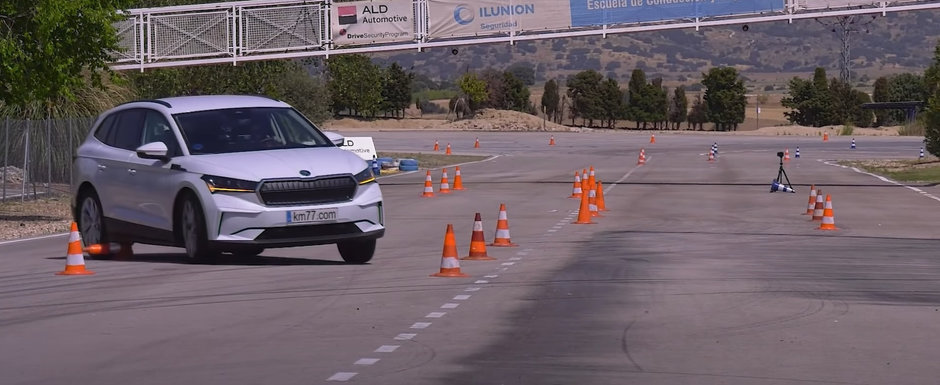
365,176
222,184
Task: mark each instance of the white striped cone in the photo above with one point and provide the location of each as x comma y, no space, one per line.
74,258
576,189
812,202
445,184
502,229
797,155
828,220
819,207
428,186
592,202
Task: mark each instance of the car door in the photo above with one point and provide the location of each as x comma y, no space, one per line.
118,140
155,181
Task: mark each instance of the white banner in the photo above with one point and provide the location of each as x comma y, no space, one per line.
367,22
452,18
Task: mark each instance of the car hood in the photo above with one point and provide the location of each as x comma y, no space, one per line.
258,165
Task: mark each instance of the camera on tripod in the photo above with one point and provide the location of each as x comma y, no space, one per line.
780,155
777,184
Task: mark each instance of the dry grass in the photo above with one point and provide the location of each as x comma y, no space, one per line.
34,217
904,170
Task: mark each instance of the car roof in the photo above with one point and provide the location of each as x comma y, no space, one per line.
184,104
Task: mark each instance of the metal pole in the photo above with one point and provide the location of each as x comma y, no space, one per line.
71,151
25,162
48,147
6,156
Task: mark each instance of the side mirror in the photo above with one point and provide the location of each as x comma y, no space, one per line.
153,150
337,139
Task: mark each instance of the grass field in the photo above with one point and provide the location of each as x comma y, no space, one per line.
927,171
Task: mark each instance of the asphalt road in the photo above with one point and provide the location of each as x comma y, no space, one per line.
696,274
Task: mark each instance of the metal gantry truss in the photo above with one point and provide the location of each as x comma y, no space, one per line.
234,32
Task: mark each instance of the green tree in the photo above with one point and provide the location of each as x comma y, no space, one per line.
611,98
584,93
847,105
51,48
355,84
678,106
698,116
905,87
655,102
880,95
516,93
725,97
932,73
474,89
635,94
931,116
396,90
550,100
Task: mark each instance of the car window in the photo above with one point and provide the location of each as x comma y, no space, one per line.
126,130
104,129
247,129
157,129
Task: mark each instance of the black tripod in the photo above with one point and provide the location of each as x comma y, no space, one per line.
781,173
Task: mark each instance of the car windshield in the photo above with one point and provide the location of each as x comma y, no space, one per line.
248,129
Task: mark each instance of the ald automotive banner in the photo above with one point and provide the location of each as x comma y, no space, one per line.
367,22
449,18
599,12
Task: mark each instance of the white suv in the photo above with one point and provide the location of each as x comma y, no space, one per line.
215,174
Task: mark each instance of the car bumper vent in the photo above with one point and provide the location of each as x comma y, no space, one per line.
305,192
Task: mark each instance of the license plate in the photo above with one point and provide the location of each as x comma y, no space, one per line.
311,216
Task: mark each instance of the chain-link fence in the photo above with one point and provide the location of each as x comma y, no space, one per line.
37,155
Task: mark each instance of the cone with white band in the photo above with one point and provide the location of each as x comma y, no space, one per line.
445,184
458,181
828,220
477,242
811,205
428,186
450,266
502,229
576,188
74,259
820,207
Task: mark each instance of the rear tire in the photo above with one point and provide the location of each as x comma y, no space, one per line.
192,230
91,221
356,252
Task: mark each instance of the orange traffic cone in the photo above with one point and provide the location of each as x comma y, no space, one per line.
445,184
477,243
642,158
551,141
502,229
115,249
476,144
786,154
811,205
584,212
584,180
828,221
711,156
592,201
820,207
652,138
428,186
576,189
825,137
437,146
600,197
450,266
458,182
447,151
74,260
592,182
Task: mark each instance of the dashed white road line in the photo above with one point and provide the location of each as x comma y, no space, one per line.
450,305
405,336
387,348
436,314
342,376
366,361
461,297
420,325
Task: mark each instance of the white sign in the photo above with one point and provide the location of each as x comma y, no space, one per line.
449,18
360,145
367,22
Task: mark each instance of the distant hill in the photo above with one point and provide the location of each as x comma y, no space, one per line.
767,54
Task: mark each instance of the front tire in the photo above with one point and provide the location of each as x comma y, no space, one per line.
356,252
91,221
192,228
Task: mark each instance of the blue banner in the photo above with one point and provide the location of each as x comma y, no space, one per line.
586,13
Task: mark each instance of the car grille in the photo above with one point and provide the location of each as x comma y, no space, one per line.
325,230
308,191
